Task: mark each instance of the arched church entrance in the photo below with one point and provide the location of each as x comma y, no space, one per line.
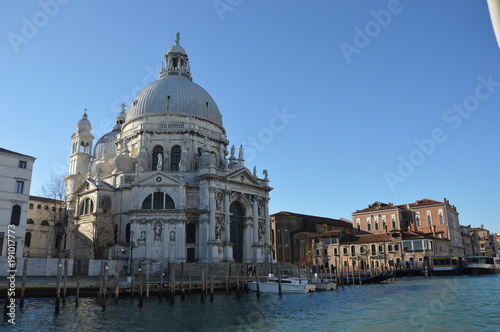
236,228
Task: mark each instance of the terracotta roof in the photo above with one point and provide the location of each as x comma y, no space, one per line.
315,219
378,207
408,235
44,199
425,202
367,238
16,153
326,234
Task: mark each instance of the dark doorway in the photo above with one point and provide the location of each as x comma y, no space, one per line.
190,255
237,231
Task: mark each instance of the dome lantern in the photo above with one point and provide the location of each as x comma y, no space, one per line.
176,61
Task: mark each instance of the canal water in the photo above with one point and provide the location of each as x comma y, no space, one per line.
458,303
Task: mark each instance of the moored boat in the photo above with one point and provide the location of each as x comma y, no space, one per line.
447,265
482,265
288,285
324,284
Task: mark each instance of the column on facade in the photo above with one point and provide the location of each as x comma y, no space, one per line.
180,240
255,221
267,225
212,209
227,216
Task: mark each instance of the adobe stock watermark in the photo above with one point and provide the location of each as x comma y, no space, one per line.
277,123
363,36
223,6
10,304
453,116
31,26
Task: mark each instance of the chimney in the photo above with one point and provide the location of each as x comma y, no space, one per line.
482,226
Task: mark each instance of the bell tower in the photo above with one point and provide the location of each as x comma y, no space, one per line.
81,153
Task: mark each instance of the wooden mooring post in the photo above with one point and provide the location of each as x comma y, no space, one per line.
105,285
171,280
190,272
238,281
77,290
23,285
140,286
183,296
160,290
212,283
257,279
279,280
117,281
226,281
65,280
132,281
202,284
58,287
147,281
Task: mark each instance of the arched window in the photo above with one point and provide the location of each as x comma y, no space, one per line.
157,151
272,236
30,222
441,220
191,233
16,215
45,223
87,206
286,235
429,220
374,249
353,250
278,240
158,201
369,226
175,158
27,240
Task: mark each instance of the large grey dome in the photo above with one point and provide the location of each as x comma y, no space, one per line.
174,94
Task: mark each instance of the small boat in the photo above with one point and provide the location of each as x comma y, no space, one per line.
324,284
482,265
288,285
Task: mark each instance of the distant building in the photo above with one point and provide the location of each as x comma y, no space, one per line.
427,216
471,241
15,181
290,234
45,234
376,251
486,241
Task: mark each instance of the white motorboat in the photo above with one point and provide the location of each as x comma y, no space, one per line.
288,285
324,284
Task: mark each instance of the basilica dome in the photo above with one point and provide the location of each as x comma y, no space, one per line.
174,94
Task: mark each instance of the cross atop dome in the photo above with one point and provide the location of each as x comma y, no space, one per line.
176,61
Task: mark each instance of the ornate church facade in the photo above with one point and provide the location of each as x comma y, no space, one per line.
162,184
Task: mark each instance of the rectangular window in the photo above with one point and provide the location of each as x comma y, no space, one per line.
1,242
19,187
335,251
22,164
46,207
31,206
39,206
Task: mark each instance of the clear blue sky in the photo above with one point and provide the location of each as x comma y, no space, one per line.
344,102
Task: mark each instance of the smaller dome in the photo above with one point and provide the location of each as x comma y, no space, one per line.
83,124
105,146
176,49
